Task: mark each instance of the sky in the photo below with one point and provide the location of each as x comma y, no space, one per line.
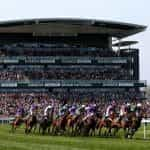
132,11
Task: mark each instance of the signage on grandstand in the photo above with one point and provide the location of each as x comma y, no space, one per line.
52,84
10,61
84,61
35,85
8,84
47,61
112,60
110,84
126,84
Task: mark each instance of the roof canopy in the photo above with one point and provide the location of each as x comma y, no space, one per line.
125,43
50,27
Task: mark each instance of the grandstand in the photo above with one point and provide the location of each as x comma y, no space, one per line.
71,59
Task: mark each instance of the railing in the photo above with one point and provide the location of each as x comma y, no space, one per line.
56,48
71,83
62,59
6,120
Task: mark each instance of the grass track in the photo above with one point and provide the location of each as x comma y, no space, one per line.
20,141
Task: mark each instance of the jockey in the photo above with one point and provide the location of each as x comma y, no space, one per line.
94,107
80,109
138,111
123,110
133,107
62,110
89,112
33,109
19,114
72,111
47,110
128,107
110,110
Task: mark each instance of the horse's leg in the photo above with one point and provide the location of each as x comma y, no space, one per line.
12,127
30,128
109,131
49,129
35,127
99,131
75,130
39,129
43,131
105,131
69,127
52,130
126,132
91,132
115,130
71,133
26,127
94,132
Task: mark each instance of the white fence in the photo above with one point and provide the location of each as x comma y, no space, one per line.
145,122
6,120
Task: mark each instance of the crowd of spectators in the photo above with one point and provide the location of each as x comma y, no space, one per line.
11,101
12,75
52,74
35,49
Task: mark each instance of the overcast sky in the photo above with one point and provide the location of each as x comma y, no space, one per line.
132,11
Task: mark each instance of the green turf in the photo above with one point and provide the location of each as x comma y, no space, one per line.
20,141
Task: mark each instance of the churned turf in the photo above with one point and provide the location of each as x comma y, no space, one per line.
20,141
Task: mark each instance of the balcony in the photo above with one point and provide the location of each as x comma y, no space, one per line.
63,60
72,83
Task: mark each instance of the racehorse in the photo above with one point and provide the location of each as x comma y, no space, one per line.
16,123
88,126
129,124
136,122
46,122
108,123
31,122
72,124
59,124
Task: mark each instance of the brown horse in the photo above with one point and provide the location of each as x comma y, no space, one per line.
16,123
71,125
107,123
88,126
59,125
129,123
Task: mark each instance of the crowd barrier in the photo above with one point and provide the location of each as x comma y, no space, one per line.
145,122
6,120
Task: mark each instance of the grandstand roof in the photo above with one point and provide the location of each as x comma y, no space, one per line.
62,27
125,43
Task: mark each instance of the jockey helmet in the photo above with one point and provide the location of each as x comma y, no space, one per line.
83,106
128,104
139,105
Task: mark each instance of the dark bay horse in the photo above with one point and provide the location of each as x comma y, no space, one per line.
45,122
30,123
